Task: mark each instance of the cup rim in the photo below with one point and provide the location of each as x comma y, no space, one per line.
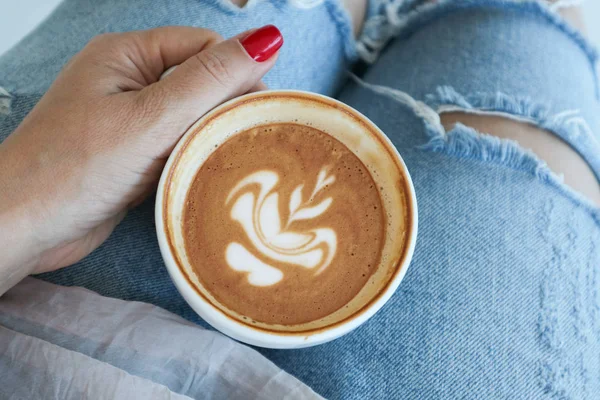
256,335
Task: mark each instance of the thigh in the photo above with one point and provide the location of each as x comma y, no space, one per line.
501,298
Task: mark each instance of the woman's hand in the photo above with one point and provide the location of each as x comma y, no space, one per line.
96,143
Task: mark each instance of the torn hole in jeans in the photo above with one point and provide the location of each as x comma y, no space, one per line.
462,141
559,156
564,140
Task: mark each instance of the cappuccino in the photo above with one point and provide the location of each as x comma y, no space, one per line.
285,218
283,224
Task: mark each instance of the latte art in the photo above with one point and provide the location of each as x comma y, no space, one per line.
260,217
283,224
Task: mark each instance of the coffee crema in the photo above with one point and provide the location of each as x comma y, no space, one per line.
283,224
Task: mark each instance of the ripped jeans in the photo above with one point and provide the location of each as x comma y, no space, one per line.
502,299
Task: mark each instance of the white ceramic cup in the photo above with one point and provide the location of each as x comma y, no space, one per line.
345,124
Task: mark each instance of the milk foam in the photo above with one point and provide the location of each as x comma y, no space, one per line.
272,238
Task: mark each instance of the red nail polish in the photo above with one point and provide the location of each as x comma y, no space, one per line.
263,43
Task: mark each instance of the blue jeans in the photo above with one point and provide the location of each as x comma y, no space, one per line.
502,299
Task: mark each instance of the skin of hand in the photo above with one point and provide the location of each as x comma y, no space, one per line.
95,144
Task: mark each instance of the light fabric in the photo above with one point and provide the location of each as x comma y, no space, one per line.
71,343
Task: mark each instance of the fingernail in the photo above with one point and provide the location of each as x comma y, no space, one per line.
167,72
263,43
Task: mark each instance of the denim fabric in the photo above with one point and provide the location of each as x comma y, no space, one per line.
502,299
492,61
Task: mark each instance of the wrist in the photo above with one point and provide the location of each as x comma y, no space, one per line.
20,217
19,254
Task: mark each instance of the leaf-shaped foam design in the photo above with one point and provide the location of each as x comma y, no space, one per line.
242,211
319,184
312,212
259,216
321,176
296,199
329,180
322,181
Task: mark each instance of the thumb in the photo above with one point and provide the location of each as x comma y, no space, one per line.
217,74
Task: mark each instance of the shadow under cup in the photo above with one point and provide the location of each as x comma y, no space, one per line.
346,125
